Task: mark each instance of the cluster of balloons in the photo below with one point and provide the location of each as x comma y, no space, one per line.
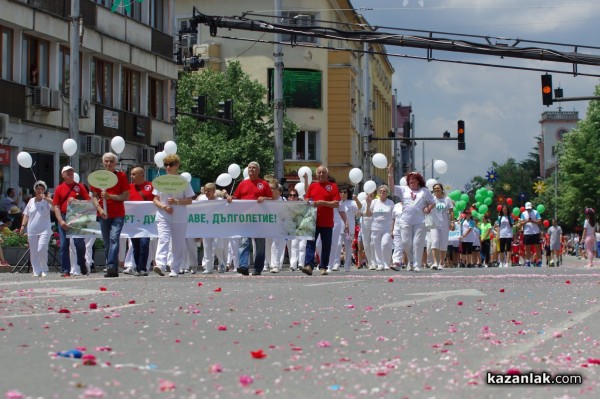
169,148
233,172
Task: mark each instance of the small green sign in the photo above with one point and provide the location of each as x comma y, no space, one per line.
102,179
170,184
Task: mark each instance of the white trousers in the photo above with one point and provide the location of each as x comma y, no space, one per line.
366,239
413,241
297,251
38,251
277,250
382,247
398,249
170,233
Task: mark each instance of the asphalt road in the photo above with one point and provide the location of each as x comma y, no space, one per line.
388,334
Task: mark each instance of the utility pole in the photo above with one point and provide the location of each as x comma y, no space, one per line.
278,102
74,83
366,108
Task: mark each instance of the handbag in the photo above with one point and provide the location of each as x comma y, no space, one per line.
429,223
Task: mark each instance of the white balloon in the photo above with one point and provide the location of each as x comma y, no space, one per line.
245,174
440,166
187,176
429,183
380,161
300,188
305,170
224,179
362,196
234,170
403,182
355,175
76,177
118,144
370,187
70,147
159,158
170,148
24,159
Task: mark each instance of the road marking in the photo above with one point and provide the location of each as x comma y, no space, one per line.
550,333
334,282
75,312
434,296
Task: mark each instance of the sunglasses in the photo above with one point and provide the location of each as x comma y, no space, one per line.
292,195
171,164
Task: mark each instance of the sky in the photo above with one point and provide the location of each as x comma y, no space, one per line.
501,107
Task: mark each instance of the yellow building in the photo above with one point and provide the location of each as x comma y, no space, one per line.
324,80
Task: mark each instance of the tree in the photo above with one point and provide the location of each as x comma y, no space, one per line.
579,181
207,148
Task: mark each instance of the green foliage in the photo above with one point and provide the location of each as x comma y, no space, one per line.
207,148
14,240
579,180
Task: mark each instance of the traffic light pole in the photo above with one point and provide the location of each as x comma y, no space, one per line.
563,99
412,138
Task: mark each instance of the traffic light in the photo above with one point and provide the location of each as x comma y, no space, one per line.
226,110
406,129
547,89
200,107
461,135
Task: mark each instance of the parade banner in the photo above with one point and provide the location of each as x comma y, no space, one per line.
81,219
281,219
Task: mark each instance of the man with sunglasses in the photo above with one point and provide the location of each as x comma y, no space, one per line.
256,189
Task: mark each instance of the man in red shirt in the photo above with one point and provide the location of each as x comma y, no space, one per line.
65,193
111,221
325,196
254,188
140,190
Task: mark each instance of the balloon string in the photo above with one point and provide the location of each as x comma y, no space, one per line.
232,186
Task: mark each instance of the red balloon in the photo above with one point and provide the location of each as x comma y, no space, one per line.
546,223
499,208
509,201
522,209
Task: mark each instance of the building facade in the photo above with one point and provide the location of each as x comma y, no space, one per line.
555,124
336,91
127,76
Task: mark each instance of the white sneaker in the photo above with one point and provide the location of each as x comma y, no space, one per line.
440,267
335,268
173,274
379,268
409,268
35,275
434,266
44,274
206,271
274,270
192,271
293,269
129,270
372,267
417,269
75,274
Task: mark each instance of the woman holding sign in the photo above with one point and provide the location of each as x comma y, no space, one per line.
109,202
171,191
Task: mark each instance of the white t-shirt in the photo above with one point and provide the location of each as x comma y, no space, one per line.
351,211
38,213
530,228
466,225
414,203
179,212
506,230
365,221
382,214
589,231
555,233
440,212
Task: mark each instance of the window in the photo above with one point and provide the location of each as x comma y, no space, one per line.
130,91
155,98
298,19
135,11
304,146
157,13
64,66
301,88
102,78
6,53
35,67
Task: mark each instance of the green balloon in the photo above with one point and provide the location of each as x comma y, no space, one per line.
479,197
475,214
454,195
464,197
516,211
541,208
483,209
490,194
456,213
460,205
487,201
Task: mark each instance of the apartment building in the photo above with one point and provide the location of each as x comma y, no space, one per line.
337,92
127,76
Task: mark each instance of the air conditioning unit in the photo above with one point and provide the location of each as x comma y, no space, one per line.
4,121
84,108
45,98
201,51
146,155
93,145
